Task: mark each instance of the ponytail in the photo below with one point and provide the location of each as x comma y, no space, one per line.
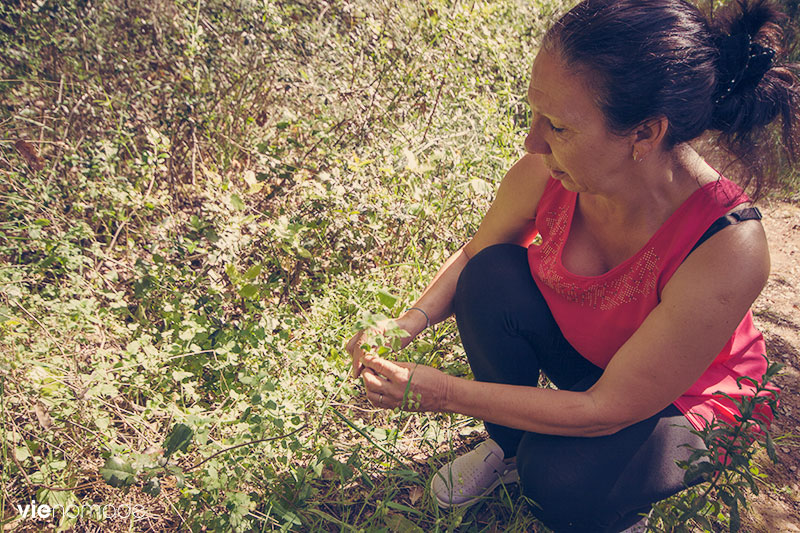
755,87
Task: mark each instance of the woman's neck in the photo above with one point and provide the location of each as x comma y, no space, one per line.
655,189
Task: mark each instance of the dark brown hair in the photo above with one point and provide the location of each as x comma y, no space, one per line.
723,73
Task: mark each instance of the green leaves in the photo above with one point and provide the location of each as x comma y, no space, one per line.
386,298
152,487
248,290
178,439
724,463
237,202
121,474
252,272
118,473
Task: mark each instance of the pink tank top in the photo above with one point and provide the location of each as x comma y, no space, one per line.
598,314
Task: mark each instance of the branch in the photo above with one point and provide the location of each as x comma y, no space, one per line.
207,459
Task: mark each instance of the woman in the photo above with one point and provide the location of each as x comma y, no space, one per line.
635,301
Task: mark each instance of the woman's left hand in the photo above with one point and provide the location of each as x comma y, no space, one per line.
387,385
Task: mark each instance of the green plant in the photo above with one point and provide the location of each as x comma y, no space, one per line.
724,465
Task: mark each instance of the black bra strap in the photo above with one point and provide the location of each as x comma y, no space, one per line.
749,213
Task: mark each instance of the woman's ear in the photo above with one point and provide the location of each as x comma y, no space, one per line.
649,135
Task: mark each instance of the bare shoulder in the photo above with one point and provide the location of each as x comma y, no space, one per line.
733,264
510,218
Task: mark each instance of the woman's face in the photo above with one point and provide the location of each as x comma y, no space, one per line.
569,131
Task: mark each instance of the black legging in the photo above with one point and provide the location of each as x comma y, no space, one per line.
591,484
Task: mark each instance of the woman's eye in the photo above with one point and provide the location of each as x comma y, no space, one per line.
556,130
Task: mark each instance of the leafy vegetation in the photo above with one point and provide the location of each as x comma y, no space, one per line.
725,465
199,201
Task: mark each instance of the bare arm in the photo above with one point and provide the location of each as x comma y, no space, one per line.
509,219
701,306
436,301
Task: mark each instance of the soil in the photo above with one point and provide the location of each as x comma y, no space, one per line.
777,314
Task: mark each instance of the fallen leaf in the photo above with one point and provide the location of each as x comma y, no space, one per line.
414,495
153,450
28,151
328,473
42,415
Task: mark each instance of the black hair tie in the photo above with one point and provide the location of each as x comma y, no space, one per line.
742,64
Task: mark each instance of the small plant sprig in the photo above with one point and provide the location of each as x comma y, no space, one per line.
724,464
382,334
382,337
121,474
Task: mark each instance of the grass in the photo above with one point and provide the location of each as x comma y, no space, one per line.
199,200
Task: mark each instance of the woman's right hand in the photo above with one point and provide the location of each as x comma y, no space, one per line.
376,337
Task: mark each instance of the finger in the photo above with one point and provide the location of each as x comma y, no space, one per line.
381,366
357,368
354,349
373,382
354,342
380,400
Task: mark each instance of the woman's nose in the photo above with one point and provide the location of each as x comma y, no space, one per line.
534,142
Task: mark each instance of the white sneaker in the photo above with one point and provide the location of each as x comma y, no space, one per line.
472,476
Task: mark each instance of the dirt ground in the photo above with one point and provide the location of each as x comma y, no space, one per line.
777,314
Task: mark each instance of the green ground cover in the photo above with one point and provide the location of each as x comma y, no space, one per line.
199,201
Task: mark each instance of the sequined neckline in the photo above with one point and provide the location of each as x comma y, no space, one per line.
647,246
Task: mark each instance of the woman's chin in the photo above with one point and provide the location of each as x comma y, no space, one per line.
567,182
563,177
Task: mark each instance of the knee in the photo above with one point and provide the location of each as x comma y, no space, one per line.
491,270
563,508
560,493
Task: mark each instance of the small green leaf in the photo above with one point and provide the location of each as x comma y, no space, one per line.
22,453
387,299
152,487
248,291
237,202
770,445
726,497
180,375
180,478
401,524
424,347
383,350
736,522
231,271
118,473
252,272
178,439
